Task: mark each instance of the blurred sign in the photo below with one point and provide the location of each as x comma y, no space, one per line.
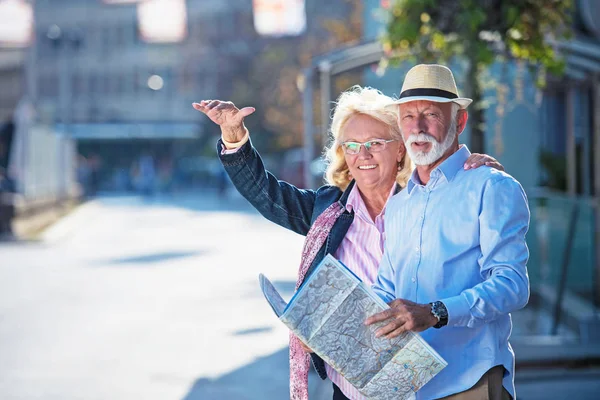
16,23
279,17
162,21
130,131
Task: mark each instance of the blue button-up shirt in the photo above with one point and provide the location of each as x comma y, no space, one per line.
460,239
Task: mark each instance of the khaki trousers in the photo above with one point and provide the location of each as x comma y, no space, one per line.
489,387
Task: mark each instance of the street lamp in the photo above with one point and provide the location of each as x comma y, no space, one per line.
65,43
156,82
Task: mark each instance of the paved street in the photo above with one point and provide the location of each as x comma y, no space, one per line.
133,299
129,299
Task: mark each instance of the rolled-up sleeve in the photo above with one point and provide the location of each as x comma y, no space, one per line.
503,224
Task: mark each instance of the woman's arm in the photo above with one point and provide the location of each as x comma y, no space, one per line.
278,201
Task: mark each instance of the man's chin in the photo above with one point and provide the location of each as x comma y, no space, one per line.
422,158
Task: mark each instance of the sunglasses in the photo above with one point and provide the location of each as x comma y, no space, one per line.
372,146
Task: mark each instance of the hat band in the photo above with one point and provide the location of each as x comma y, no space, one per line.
428,93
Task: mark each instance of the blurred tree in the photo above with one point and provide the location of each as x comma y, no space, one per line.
481,32
272,83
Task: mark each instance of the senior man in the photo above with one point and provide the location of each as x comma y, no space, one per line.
454,263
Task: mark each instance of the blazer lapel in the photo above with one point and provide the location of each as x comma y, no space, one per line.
338,232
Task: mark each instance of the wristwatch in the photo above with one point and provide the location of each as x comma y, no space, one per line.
438,310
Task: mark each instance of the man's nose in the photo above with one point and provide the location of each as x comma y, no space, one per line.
421,125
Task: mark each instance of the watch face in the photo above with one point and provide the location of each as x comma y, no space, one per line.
442,310
438,309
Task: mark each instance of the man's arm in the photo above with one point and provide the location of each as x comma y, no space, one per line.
503,223
384,286
403,315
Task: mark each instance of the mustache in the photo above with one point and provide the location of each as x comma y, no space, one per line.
421,137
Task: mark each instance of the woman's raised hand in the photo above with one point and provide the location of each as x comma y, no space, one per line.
227,116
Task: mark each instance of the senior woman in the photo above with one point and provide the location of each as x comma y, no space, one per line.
367,164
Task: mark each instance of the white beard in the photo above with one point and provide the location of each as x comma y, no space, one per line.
437,149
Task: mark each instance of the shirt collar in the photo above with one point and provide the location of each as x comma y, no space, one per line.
344,198
355,201
448,168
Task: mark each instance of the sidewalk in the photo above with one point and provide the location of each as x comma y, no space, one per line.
266,378
143,298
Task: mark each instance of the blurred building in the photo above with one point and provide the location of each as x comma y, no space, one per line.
95,56
34,161
115,76
119,76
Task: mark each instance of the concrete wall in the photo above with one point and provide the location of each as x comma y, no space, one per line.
42,162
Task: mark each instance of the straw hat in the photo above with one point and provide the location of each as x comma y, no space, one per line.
431,82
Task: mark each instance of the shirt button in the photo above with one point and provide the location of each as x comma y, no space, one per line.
417,249
414,280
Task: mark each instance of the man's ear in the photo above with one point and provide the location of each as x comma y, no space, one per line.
401,152
461,121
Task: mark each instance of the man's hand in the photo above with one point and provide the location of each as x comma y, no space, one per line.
227,116
402,316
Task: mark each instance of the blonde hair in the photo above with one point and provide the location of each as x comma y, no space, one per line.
366,101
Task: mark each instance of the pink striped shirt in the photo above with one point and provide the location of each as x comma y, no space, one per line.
361,251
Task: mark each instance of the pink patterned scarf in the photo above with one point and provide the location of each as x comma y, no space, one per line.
299,360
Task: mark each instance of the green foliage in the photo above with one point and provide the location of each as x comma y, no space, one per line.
428,30
480,31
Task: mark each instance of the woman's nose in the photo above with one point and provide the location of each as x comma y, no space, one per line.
364,153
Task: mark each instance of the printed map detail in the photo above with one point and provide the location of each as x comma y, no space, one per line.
328,314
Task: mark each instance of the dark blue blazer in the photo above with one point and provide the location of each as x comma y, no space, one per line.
286,205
